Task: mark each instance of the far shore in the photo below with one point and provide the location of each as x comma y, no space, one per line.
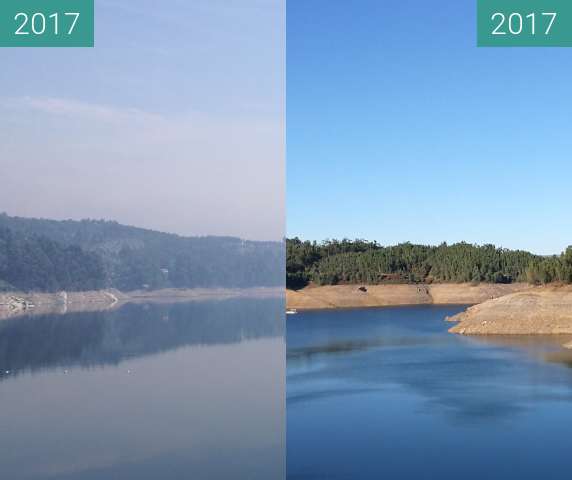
361,296
14,304
494,309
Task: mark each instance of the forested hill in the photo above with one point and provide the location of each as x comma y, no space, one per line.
358,261
50,255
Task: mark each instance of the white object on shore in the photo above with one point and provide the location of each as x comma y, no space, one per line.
291,311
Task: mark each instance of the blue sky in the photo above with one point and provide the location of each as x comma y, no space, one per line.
400,129
174,121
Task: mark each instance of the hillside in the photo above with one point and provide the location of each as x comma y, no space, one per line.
50,255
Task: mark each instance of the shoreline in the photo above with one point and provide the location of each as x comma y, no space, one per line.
373,296
544,310
493,309
373,307
14,304
502,310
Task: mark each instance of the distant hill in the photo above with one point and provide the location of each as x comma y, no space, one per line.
358,261
50,255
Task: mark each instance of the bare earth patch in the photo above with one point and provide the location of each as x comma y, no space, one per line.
539,311
359,296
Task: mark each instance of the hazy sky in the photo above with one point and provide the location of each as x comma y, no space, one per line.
400,128
173,122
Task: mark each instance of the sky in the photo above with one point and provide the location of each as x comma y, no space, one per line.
174,121
400,129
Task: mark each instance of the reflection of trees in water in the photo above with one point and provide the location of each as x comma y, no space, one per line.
100,338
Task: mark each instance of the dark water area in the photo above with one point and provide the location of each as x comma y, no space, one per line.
174,391
389,393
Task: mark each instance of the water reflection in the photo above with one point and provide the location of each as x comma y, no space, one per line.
392,390
549,348
467,379
342,347
176,391
102,338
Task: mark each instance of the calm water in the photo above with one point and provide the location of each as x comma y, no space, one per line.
389,394
182,391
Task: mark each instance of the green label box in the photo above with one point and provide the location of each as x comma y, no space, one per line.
524,23
46,23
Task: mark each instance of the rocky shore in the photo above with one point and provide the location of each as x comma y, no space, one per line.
18,303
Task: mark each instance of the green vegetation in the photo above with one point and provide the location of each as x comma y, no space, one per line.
551,269
351,262
49,255
38,263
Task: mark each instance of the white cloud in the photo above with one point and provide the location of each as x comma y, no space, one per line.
83,110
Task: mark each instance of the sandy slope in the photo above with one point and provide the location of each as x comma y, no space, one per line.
346,296
541,310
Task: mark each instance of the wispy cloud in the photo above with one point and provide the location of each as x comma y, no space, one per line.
82,110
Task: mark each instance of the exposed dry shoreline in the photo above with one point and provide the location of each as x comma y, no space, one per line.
350,296
17,303
516,309
539,311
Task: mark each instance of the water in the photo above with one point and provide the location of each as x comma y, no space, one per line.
181,391
389,394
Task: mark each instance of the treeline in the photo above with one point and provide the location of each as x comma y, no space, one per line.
551,269
350,262
49,255
35,263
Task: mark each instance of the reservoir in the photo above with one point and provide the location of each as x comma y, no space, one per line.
146,391
389,393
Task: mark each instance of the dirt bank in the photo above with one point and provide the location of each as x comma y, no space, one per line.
538,311
348,296
171,295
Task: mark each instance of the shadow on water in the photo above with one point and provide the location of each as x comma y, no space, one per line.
343,347
106,338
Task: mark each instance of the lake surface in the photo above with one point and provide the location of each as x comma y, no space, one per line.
181,391
389,394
